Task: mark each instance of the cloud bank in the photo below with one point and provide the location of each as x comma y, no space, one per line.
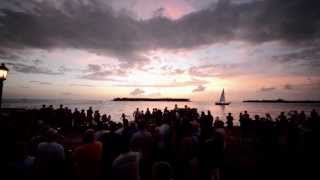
95,26
137,92
200,88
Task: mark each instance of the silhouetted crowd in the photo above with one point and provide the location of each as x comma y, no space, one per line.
157,144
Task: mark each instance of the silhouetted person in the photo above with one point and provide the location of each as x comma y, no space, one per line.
163,133
212,156
182,137
43,107
302,117
314,121
246,116
218,124
187,152
206,125
123,117
44,113
68,118
87,157
147,115
210,118
162,171
50,156
96,118
126,131
83,118
76,118
268,117
142,142
241,118
60,115
104,119
202,116
126,166
283,121
166,110
90,116
244,123
22,166
136,114
158,115
113,144
175,107
229,121
314,114
257,118
50,116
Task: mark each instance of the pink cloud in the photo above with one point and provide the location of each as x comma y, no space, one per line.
176,9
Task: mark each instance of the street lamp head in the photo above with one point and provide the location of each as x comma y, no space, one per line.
3,72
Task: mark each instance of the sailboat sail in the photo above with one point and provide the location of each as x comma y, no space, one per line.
222,101
222,97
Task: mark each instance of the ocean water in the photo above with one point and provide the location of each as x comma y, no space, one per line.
116,108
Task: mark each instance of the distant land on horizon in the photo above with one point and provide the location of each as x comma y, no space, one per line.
281,101
153,99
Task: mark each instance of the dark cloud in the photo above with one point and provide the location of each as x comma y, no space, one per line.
8,54
193,82
169,70
218,70
101,73
81,85
267,89
64,69
301,87
93,68
200,88
37,61
137,92
306,58
90,26
40,82
33,69
203,71
95,27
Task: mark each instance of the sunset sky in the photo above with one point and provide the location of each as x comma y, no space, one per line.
100,49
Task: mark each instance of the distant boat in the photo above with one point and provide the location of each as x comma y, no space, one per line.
222,101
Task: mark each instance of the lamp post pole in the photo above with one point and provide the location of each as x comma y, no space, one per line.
3,76
1,86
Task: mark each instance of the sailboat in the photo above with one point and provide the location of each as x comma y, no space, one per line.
222,101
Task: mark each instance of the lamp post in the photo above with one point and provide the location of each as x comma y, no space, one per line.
3,76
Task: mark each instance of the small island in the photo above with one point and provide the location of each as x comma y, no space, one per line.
280,101
152,99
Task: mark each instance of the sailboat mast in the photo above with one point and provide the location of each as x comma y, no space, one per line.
222,98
